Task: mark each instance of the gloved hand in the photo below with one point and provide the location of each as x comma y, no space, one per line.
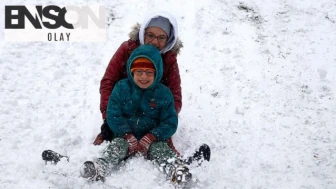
105,134
99,139
145,143
133,143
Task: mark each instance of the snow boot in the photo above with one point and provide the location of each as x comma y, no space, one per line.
203,153
54,157
180,174
92,171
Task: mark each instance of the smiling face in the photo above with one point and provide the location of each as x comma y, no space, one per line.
144,77
156,36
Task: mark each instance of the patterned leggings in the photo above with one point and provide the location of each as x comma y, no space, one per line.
117,150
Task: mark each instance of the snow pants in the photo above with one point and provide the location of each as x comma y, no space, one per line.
117,150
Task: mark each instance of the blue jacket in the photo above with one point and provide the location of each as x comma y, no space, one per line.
140,111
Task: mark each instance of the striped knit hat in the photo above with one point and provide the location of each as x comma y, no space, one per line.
142,63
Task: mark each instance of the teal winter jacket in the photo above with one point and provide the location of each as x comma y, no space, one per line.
140,111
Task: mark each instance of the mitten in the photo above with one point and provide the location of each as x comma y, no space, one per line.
99,139
133,143
145,143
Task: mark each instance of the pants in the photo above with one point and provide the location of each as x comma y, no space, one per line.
117,150
107,134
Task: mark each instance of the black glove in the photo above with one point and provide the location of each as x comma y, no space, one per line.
106,132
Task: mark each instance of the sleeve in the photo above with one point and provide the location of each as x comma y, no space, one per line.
114,115
112,76
173,81
168,120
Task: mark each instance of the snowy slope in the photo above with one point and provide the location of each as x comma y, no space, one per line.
258,81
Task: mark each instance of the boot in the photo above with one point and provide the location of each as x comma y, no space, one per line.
92,171
180,174
203,153
54,157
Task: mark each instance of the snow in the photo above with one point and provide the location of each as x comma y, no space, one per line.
258,81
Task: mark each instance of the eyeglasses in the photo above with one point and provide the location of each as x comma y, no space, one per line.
151,37
148,72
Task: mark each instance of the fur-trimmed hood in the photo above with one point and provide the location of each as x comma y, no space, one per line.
134,35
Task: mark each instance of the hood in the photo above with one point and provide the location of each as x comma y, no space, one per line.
153,54
138,31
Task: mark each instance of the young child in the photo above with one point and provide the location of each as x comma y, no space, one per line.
159,29
142,116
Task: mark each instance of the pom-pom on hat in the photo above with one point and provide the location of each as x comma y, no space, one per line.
142,63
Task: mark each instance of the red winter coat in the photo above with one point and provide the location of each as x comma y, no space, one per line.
116,70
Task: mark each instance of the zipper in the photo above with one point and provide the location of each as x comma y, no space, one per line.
142,91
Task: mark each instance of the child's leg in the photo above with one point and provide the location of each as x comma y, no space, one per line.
115,152
160,151
164,156
169,163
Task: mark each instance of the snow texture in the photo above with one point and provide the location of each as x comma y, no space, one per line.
258,81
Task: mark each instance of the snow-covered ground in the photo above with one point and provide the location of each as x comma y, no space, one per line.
258,81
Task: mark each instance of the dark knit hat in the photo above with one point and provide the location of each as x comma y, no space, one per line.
142,63
161,22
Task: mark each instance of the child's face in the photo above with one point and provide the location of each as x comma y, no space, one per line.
144,78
